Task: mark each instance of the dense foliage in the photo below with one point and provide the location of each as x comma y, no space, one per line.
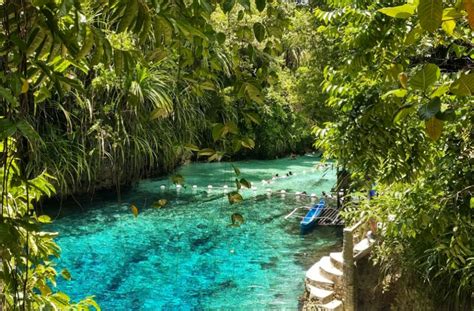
101,93
402,88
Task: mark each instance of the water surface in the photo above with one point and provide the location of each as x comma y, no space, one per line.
186,256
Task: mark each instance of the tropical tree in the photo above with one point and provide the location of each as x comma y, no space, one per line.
402,89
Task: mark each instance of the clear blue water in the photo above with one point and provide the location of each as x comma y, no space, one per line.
186,256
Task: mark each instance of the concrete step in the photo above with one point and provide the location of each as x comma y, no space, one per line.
363,245
362,248
315,278
334,305
322,296
336,260
328,270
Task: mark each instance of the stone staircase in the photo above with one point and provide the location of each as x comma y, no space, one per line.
325,279
322,281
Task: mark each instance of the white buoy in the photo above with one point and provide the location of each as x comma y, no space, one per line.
162,187
225,187
195,186
282,191
178,187
209,187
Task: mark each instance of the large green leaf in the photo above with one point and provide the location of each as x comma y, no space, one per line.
430,13
401,11
425,77
429,110
259,31
464,86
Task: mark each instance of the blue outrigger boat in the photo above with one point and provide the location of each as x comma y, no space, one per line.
310,220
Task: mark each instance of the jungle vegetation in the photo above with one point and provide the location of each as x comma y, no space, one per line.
102,93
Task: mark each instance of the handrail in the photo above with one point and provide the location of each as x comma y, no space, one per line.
357,225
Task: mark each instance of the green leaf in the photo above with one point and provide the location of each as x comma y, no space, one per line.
237,219
236,170
402,112
44,219
259,31
240,16
447,115
66,275
248,143
464,86
425,77
134,210
28,131
401,11
260,4
397,93
430,13
7,128
191,147
253,117
62,299
448,27
244,182
177,179
440,91
245,4
219,131
231,127
434,128
220,36
451,14
6,94
234,197
429,110
228,5
253,93
238,185
206,152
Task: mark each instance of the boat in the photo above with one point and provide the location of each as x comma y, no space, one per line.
310,220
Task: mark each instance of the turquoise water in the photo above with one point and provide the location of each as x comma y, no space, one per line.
186,256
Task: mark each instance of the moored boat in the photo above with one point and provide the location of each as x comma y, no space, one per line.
310,220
